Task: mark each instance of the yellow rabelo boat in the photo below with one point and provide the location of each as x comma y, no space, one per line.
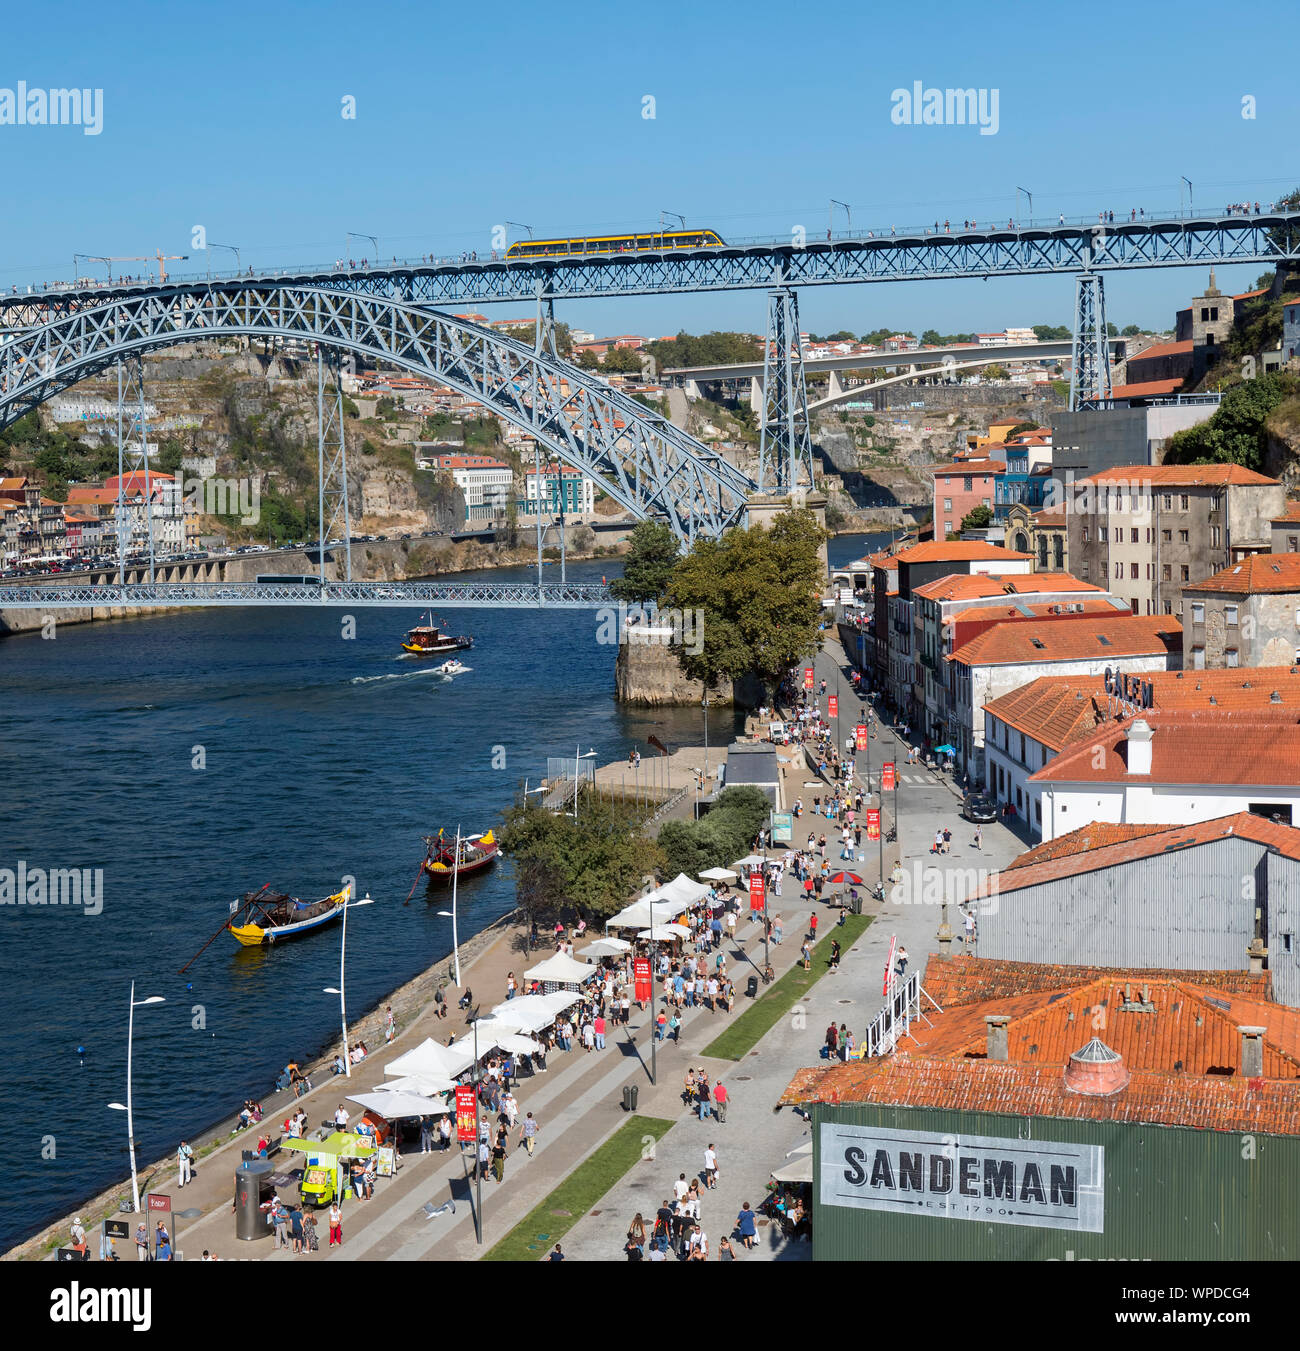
476,853
428,640
271,917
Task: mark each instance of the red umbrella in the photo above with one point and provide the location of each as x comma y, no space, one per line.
838,879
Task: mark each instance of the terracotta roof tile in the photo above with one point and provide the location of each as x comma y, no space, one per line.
1176,475
1146,389
961,586
1072,640
958,551
1254,575
1291,512
1163,349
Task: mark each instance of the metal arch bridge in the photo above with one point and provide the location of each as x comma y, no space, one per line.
647,465
445,595
1182,240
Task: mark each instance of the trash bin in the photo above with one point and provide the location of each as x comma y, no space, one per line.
252,1187
855,904
751,988
629,1097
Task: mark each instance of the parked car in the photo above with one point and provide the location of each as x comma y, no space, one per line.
976,807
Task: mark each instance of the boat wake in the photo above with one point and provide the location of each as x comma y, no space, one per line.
424,671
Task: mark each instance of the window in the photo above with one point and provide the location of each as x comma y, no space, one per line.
1198,659
1183,502
1133,605
1133,535
947,504
1183,574
1198,612
1133,572
1150,570
1293,544
1102,534
1166,573
968,483
1150,534
1083,571
1169,502
987,503
1085,535
1182,537
1230,656
1167,536
1023,760
1119,569
1214,537
1230,615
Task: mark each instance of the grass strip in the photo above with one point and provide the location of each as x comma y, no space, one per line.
751,1026
536,1234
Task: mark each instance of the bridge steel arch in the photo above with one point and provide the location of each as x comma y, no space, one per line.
647,465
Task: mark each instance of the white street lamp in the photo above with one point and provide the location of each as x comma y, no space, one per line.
126,1107
587,755
455,940
340,988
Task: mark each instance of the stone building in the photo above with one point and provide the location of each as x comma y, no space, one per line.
1246,615
1146,531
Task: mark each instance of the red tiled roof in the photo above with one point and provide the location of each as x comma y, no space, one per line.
958,551
1178,1034
1146,389
1290,513
1163,349
1255,574
1049,520
970,467
1072,640
1179,475
1250,295
961,586
1025,609
1238,747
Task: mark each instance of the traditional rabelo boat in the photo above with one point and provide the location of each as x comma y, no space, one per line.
441,863
429,640
271,917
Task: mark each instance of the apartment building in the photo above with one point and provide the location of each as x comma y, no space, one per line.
959,488
1147,531
1246,615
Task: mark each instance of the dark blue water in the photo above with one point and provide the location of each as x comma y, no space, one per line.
325,758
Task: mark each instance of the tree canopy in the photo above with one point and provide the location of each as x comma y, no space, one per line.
759,591
976,518
648,565
1052,333
1235,434
706,349
719,838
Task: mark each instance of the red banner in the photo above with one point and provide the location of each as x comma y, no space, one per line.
888,782
860,732
641,972
756,890
889,966
157,1201
807,677
832,706
873,823
465,1132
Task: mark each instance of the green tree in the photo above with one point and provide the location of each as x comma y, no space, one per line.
759,594
1052,333
1129,331
621,361
717,839
976,518
652,555
1236,433
995,372
1021,427
1112,331
588,360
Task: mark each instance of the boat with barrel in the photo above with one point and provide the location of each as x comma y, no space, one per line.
431,640
265,917
446,859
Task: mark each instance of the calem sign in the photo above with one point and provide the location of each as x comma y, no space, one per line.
1039,1184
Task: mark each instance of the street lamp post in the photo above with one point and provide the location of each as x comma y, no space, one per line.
451,914
341,987
127,1106
232,248
360,234
654,1013
576,757
1191,207
478,1142
1030,195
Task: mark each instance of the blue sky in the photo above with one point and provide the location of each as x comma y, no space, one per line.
229,117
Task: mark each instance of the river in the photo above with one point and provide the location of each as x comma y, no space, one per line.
321,757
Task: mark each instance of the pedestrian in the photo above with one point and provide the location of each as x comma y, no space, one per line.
444,1131
720,1100
710,1166
704,1097
184,1163
499,1156
426,1135
599,1026
141,1243
835,954
969,925
947,840
280,1218
805,956
902,960
832,1040
336,1225
937,846
812,922
746,1226
556,1254
390,1024
529,1131
979,835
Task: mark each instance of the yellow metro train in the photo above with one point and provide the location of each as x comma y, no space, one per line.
655,242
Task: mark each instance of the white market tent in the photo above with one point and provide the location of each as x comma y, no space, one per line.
665,933
532,1012
798,1165
560,969
430,1060
393,1106
684,891
517,1044
511,1041
420,1084
606,947
719,875
638,914
749,861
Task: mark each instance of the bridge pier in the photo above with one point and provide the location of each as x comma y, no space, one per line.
784,444
1090,367
332,463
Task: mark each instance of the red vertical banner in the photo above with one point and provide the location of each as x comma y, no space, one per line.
641,974
756,890
860,732
807,677
873,823
158,1201
887,779
832,706
465,1114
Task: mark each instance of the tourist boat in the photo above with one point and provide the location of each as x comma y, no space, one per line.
477,852
452,667
266,916
428,640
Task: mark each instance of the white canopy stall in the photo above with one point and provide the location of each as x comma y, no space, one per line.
394,1106
605,947
560,969
430,1060
532,1012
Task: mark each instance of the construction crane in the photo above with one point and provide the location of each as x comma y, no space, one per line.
157,256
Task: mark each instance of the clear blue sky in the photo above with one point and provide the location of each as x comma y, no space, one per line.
229,116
